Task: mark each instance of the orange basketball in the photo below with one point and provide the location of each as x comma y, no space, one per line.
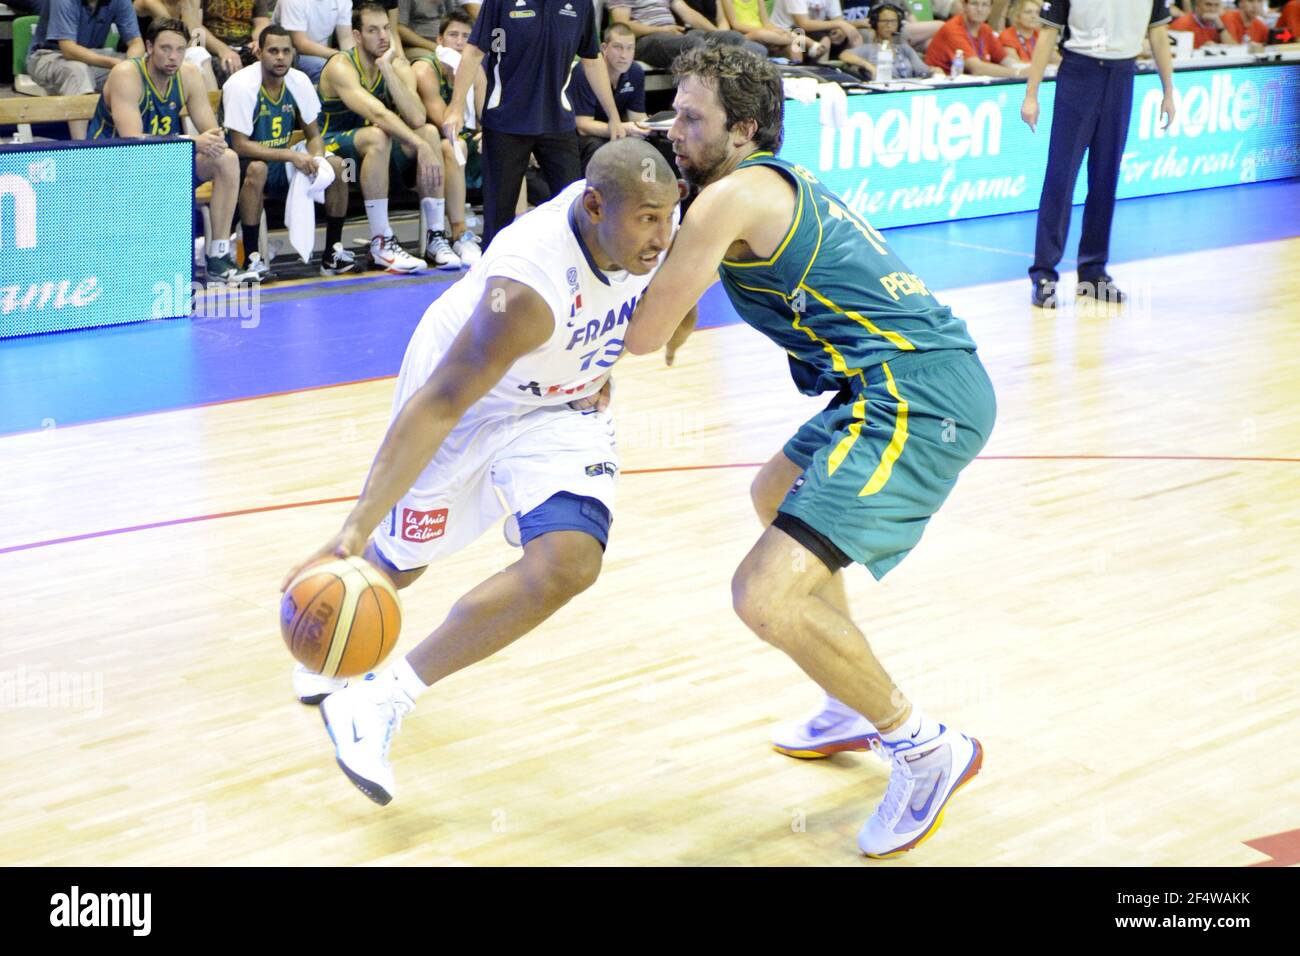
340,618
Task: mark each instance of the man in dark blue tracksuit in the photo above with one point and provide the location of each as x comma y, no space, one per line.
1094,99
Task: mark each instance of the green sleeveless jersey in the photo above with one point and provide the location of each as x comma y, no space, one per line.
446,79
274,120
159,111
335,115
833,295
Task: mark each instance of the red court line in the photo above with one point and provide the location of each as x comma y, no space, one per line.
1283,849
173,521
632,471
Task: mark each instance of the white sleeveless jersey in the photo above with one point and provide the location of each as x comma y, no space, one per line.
542,250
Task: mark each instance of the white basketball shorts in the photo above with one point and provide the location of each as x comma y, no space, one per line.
526,452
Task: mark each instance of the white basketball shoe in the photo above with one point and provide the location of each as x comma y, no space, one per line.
361,720
922,778
312,688
468,248
832,729
387,253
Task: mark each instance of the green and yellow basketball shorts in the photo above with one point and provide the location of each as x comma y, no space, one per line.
884,455
342,143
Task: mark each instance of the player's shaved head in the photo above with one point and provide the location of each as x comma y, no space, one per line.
632,169
626,213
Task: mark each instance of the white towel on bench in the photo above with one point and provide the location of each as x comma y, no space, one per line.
300,207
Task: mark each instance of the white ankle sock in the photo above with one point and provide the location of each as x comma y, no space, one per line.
408,680
220,247
917,729
377,214
434,210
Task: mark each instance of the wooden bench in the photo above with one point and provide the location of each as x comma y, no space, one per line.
23,111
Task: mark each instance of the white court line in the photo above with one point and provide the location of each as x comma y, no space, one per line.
974,245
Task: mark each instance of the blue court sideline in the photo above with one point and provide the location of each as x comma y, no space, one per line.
330,333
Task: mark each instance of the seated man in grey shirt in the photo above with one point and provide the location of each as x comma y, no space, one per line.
66,58
419,22
659,37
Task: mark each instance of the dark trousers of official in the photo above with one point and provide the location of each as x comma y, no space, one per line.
1094,99
505,160
587,146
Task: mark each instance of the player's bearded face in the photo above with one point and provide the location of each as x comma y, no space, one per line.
701,142
374,36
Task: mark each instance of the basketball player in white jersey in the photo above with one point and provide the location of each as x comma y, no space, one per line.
503,388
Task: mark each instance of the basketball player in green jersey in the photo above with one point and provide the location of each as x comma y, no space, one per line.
859,481
372,115
262,106
434,82
143,96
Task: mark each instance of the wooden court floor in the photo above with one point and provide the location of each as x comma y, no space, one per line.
1109,601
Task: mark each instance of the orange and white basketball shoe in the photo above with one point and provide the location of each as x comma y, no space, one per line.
922,779
832,729
387,253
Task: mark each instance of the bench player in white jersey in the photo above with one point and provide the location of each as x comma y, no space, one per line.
503,387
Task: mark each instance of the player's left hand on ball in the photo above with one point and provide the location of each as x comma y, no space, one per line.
340,546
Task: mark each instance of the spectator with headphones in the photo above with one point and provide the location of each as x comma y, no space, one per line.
886,21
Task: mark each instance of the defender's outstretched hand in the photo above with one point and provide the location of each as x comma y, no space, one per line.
681,335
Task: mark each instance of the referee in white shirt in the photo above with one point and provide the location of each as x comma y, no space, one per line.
1094,98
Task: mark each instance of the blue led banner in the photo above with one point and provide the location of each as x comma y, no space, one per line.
90,233
961,152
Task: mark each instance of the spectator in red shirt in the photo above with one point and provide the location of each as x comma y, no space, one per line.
1289,20
1021,34
1246,23
1206,24
970,33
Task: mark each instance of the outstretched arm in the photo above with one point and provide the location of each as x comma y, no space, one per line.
511,320
714,222
466,73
